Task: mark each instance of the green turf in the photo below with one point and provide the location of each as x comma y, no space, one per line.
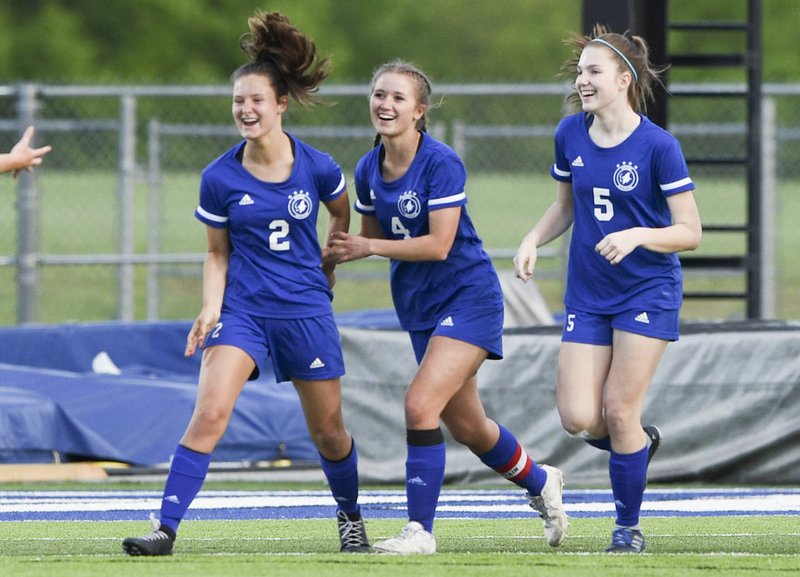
680,546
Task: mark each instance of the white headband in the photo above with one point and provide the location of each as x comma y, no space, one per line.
621,55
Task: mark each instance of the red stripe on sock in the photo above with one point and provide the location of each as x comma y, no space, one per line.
511,462
511,470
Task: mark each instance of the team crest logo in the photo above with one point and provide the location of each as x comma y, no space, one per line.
299,204
408,204
626,176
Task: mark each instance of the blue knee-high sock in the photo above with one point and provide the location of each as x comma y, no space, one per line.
511,461
424,474
628,479
342,478
186,475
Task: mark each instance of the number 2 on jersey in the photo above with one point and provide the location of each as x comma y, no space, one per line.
277,238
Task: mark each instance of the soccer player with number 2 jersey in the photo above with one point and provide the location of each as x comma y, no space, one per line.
266,286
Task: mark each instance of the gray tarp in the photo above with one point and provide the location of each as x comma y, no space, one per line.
726,397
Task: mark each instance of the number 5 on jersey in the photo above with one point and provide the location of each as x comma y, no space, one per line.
603,209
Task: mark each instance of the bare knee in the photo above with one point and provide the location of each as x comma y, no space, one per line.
206,429
419,415
621,419
212,419
577,424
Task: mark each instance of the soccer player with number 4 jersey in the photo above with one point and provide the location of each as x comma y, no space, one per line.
624,187
412,200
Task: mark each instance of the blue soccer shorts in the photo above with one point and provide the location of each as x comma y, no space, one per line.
307,349
597,329
481,326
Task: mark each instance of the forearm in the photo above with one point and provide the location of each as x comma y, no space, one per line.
554,222
215,270
674,238
423,248
337,224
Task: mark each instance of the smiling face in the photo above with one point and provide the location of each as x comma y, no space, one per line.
600,83
256,110
394,104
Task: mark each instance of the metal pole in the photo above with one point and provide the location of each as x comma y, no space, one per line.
755,301
768,208
127,168
153,216
27,210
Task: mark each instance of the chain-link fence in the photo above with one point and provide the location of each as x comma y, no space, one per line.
104,228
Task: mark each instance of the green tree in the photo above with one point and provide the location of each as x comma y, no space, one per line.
196,41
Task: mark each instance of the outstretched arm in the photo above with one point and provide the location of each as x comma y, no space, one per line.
434,246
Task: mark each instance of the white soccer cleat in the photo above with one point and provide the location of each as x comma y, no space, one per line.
550,507
412,540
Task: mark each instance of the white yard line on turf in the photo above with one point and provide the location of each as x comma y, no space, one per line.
501,502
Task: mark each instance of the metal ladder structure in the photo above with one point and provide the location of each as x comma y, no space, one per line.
748,59
651,20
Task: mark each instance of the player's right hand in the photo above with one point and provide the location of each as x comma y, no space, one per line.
202,325
525,261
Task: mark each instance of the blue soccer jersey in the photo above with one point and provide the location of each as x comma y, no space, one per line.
435,180
274,269
613,189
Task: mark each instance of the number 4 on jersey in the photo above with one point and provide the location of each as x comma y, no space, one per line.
398,228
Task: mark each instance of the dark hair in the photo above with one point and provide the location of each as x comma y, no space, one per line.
420,80
279,51
632,54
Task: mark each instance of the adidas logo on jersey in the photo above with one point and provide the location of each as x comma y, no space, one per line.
316,364
642,318
246,200
577,162
448,322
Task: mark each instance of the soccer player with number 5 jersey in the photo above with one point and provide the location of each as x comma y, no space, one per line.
624,187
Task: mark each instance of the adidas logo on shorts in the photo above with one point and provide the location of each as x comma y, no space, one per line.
316,364
642,318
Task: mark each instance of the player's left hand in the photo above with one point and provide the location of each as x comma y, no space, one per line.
617,245
329,266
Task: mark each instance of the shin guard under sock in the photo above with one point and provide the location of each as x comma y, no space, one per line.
424,474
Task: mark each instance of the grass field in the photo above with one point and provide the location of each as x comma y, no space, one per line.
78,215
724,546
